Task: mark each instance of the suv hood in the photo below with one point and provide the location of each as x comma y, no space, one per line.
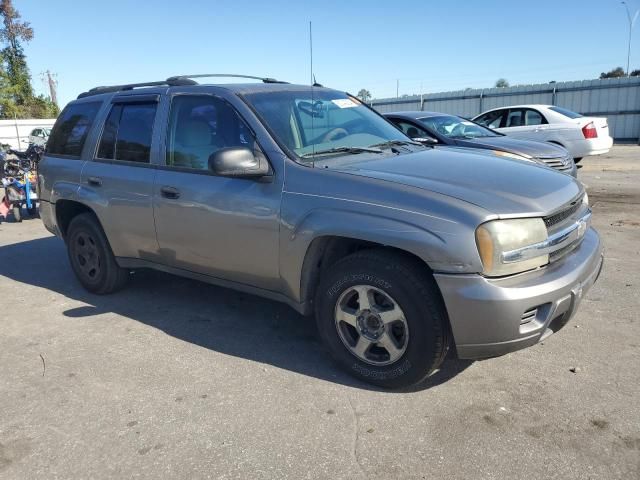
531,148
500,185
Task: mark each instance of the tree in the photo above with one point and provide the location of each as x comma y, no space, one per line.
635,73
615,73
12,34
16,93
502,83
364,95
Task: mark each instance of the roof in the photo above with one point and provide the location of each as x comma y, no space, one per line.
268,84
416,114
530,105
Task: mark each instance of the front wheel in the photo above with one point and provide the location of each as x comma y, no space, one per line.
381,316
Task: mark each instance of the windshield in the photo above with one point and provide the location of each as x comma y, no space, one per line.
456,127
323,123
565,112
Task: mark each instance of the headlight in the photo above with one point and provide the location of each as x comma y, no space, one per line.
585,199
499,236
500,153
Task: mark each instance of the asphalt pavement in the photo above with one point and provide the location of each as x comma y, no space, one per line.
172,378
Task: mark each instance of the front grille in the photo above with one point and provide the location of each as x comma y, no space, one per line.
558,254
557,163
556,218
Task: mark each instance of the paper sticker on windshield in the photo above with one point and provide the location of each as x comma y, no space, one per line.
344,102
466,122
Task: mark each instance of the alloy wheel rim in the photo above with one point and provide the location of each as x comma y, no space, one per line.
371,324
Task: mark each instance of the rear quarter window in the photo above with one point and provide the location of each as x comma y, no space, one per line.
565,112
71,129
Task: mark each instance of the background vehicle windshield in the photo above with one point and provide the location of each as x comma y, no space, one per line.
456,127
308,123
565,112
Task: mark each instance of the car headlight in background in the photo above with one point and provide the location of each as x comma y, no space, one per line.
585,199
500,153
499,236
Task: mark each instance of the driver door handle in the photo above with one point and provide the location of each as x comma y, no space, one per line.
95,181
170,192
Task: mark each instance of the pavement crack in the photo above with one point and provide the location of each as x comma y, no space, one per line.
44,365
356,437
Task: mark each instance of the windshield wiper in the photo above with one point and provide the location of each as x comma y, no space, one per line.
350,150
393,143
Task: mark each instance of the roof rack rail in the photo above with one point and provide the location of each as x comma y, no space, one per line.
231,75
176,81
170,82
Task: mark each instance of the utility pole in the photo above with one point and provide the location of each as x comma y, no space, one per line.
632,21
49,79
397,89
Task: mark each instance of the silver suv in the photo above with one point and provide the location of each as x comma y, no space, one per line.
307,196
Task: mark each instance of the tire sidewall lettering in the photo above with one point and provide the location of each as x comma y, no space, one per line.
395,372
358,278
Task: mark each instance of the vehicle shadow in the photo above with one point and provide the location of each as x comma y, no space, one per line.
211,317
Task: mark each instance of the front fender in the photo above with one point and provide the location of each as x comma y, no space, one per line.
443,244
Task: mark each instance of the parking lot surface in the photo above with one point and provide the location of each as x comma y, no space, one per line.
172,378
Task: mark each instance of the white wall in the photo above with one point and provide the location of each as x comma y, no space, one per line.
10,130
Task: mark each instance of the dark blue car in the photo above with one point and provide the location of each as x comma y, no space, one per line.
450,130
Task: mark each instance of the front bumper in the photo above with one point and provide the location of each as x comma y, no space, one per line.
491,317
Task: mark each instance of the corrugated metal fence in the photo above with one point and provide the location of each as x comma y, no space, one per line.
618,99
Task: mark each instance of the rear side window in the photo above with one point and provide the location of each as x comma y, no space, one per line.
515,118
534,117
71,129
565,112
127,132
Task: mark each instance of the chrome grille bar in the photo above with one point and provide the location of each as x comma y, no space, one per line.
559,240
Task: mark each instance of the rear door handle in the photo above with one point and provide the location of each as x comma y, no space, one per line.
170,192
95,181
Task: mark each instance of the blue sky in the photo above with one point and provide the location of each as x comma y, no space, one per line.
441,45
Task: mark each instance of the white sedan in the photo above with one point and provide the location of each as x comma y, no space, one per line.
580,135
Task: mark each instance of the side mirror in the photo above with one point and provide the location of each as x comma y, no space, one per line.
425,140
238,162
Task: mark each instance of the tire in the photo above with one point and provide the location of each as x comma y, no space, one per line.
91,257
577,160
17,213
389,281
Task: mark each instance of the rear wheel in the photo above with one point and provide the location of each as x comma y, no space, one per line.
91,257
382,319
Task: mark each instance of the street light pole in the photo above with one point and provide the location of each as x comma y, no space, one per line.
632,21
